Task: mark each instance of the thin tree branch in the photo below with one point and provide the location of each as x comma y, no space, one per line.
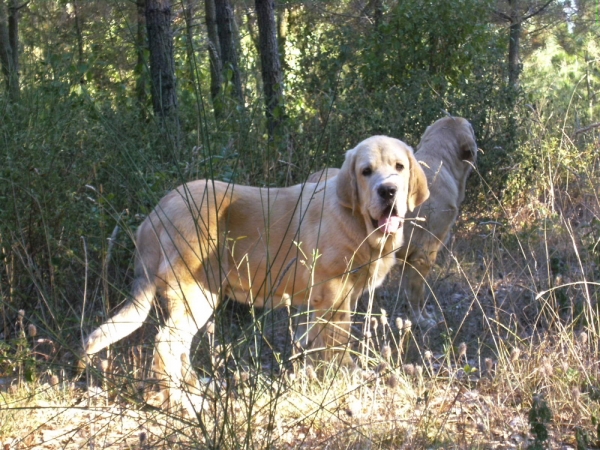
534,13
502,15
588,128
17,8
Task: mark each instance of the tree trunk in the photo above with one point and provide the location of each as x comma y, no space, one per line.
227,42
378,13
162,64
188,14
282,31
79,34
9,47
214,53
5,47
271,66
141,72
514,67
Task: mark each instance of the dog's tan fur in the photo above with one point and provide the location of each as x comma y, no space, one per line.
316,244
447,151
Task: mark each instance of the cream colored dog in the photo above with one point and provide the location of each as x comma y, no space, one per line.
447,151
318,245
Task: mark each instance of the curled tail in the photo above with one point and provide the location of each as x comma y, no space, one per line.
127,320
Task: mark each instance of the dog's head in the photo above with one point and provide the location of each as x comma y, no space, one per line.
380,179
455,132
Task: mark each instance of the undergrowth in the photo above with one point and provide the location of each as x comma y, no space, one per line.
512,364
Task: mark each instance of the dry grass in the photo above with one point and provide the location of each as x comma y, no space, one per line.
515,356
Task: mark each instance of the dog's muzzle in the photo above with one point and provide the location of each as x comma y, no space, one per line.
389,222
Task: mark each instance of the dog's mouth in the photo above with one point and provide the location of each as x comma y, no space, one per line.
389,222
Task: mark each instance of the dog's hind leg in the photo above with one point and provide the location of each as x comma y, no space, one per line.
190,307
416,269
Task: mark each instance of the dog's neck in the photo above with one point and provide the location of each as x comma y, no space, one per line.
460,170
377,255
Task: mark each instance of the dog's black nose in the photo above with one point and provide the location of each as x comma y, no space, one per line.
387,192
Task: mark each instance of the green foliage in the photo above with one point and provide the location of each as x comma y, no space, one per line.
540,417
562,77
398,75
81,158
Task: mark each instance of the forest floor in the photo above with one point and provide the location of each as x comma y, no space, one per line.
506,368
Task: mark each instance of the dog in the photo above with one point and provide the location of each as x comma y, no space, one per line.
315,244
448,152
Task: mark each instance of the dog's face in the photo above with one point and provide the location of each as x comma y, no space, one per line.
380,179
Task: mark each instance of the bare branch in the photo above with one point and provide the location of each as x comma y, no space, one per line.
17,8
534,13
588,128
502,15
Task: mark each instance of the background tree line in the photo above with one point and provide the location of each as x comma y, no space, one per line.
106,105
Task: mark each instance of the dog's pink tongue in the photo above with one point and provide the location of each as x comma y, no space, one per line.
389,224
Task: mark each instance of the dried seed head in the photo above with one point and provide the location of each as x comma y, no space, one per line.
514,354
583,338
353,406
32,330
462,350
103,366
383,367
367,334
386,352
286,301
383,318
374,324
409,370
576,394
428,356
21,315
407,325
210,327
311,374
547,368
419,370
53,381
384,321
392,381
399,323
489,365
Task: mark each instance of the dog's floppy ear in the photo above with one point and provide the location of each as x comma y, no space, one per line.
418,191
347,188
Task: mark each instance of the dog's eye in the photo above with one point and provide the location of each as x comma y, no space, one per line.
399,167
367,171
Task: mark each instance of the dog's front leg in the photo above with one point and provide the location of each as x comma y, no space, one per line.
416,270
331,332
